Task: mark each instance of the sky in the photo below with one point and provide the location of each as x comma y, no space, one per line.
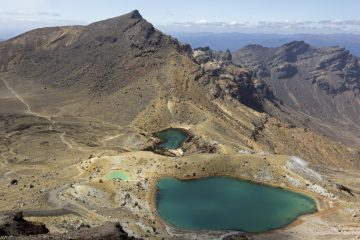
248,16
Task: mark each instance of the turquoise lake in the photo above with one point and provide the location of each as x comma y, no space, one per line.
171,138
225,203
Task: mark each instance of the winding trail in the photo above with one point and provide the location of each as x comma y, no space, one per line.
63,140
30,112
28,109
54,198
21,99
50,212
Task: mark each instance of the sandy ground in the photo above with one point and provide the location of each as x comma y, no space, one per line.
60,163
71,187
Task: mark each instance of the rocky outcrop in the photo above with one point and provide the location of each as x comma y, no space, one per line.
227,80
107,231
205,54
13,224
340,63
286,70
314,63
345,189
290,52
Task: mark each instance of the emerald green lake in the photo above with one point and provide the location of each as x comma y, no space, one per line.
171,138
225,203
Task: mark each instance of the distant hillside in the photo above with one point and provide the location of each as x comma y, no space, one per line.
235,41
321,84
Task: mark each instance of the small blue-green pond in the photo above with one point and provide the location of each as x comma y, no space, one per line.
225,203
171,138
116,174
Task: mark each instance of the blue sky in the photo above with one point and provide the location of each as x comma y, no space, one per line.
276,16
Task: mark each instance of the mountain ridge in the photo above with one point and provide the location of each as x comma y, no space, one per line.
297,69
234,40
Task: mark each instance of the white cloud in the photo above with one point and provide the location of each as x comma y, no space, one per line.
334,25
202,21
206,23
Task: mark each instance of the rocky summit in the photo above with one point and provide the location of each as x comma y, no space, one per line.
80,108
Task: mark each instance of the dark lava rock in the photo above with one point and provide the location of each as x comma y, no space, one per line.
345,189
14,182
16,225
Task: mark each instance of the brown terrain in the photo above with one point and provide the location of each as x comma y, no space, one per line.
77,102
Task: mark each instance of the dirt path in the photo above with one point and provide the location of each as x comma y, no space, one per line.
63,140
71,205
30,112
28,109
42,212
22,100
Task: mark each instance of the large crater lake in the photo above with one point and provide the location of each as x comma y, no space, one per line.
225,203
171,138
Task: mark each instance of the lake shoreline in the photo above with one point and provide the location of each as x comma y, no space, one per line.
322,204
163,140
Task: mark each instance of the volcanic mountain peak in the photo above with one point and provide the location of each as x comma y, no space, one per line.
135,14
120,22
106,60
295,45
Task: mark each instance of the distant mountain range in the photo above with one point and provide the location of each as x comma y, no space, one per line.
235,41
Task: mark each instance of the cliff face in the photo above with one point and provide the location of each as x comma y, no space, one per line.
319,85
226,80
